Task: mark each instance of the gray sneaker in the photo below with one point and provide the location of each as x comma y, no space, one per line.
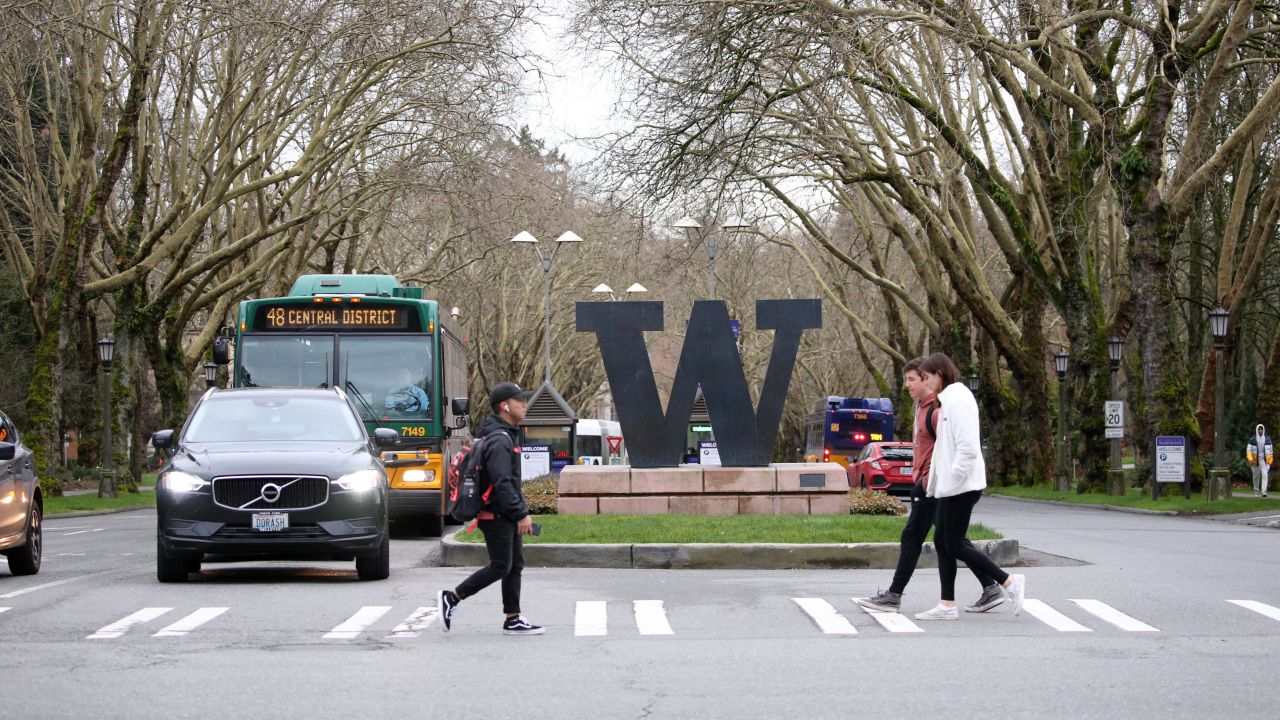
885,601
992,595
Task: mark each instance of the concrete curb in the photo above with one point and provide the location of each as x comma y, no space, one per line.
91,513
708,556
1112,508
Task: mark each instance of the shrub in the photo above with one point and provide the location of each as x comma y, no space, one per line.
871,502
541,494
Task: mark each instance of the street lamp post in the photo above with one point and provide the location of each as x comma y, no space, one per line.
526,237
606,290
1115,353
1060,360
210,374
1220,477
695,232
106,353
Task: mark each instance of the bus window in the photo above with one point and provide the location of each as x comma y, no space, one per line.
390,374
286,361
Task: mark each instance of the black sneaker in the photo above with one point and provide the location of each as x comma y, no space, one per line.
519,626
992,595
886,601
447,604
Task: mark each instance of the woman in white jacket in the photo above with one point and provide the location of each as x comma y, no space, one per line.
956,480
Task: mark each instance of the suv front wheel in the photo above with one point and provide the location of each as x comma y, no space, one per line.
168,568
376,567
25,560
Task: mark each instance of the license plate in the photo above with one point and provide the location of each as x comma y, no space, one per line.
906,470
270,522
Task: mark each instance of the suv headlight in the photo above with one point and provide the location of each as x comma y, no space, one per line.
359,481
180,482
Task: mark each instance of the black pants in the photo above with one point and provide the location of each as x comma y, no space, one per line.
952,524
923,512
506,561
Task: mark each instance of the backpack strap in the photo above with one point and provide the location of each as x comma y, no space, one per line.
929,423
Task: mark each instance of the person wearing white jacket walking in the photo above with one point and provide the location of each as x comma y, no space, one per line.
956,480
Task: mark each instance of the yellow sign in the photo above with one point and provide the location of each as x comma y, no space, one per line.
876,437
411,431
303,317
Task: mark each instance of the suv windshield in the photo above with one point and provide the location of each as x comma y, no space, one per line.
286,361
389,376
245,418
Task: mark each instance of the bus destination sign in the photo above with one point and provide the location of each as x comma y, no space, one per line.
301,318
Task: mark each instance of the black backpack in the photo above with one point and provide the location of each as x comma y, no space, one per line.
466,491
929,423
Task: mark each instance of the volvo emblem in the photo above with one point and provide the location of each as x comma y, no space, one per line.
270,492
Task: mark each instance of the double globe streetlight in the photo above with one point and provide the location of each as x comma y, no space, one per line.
525,237
606,290
694,230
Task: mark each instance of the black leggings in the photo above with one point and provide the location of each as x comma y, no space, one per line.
506,561
923,511
950,528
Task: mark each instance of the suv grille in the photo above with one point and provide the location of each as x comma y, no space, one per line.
290,492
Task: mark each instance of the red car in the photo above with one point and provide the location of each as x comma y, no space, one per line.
883,466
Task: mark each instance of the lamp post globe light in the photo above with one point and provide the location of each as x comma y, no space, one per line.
1060,360
106,353
604,289
566,237
694,230
974,381
1220,478
210,374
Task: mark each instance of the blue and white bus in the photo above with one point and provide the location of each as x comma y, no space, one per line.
841,427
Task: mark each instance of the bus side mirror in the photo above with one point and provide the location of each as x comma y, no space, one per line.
162,439
222,351
461,406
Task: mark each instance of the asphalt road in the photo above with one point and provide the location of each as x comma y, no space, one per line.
1133,619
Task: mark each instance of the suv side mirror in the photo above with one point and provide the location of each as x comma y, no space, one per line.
162,439
221,351
385,437
461,406
8,451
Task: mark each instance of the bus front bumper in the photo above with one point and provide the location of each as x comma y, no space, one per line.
406,503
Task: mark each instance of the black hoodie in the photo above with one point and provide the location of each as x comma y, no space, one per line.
499,468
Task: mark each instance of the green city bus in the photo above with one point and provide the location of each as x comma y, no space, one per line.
394,354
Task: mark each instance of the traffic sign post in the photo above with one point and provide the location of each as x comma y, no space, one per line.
1171,464
1113,413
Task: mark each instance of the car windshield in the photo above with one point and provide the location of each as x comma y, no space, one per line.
897,453
286,361
389,377
249,418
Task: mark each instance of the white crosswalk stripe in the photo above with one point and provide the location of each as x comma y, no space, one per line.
651,618
824,615
5,609
892,621
1114,616
358,623
123,625
591,618
420,620
1260,608
191,622
1041,611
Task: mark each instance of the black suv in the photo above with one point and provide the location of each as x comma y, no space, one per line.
267,474
21,505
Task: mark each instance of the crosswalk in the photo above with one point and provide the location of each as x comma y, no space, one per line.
644,618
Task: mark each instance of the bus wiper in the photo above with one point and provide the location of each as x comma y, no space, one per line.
364,403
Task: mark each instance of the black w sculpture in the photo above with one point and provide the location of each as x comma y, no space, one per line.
744,435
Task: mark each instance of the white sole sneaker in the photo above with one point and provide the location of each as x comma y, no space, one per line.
1017,592
936,613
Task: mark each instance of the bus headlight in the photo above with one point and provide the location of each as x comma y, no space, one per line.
359,481
416,476
179,482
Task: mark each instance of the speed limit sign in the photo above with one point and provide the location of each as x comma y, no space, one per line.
1114,410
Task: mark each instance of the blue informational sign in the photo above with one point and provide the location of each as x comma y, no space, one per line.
737,328
1171,463
535,461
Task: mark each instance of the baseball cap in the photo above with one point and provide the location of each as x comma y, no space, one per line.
506,391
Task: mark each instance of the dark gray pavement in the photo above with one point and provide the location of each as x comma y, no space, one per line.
1133,620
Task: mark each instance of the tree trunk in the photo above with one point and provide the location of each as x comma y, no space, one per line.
1269,395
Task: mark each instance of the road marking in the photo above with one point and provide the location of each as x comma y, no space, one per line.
1041,611
70,554
191,622
81,532
5,609
357,623
120,627
1114,616
651,618
825,616
420,620
592,618
55,583
1261,608
892,621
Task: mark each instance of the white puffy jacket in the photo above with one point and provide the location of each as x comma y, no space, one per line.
958,466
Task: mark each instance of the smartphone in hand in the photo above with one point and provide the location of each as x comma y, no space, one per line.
537,529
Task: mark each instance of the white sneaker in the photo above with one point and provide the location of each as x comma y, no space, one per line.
939,612
1017,592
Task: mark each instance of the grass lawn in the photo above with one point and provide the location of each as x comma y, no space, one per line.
631,529
72,503
1134,498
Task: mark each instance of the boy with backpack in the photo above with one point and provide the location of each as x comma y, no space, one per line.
923,507
503,515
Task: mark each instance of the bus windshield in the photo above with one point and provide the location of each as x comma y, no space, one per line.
293,361
389,377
